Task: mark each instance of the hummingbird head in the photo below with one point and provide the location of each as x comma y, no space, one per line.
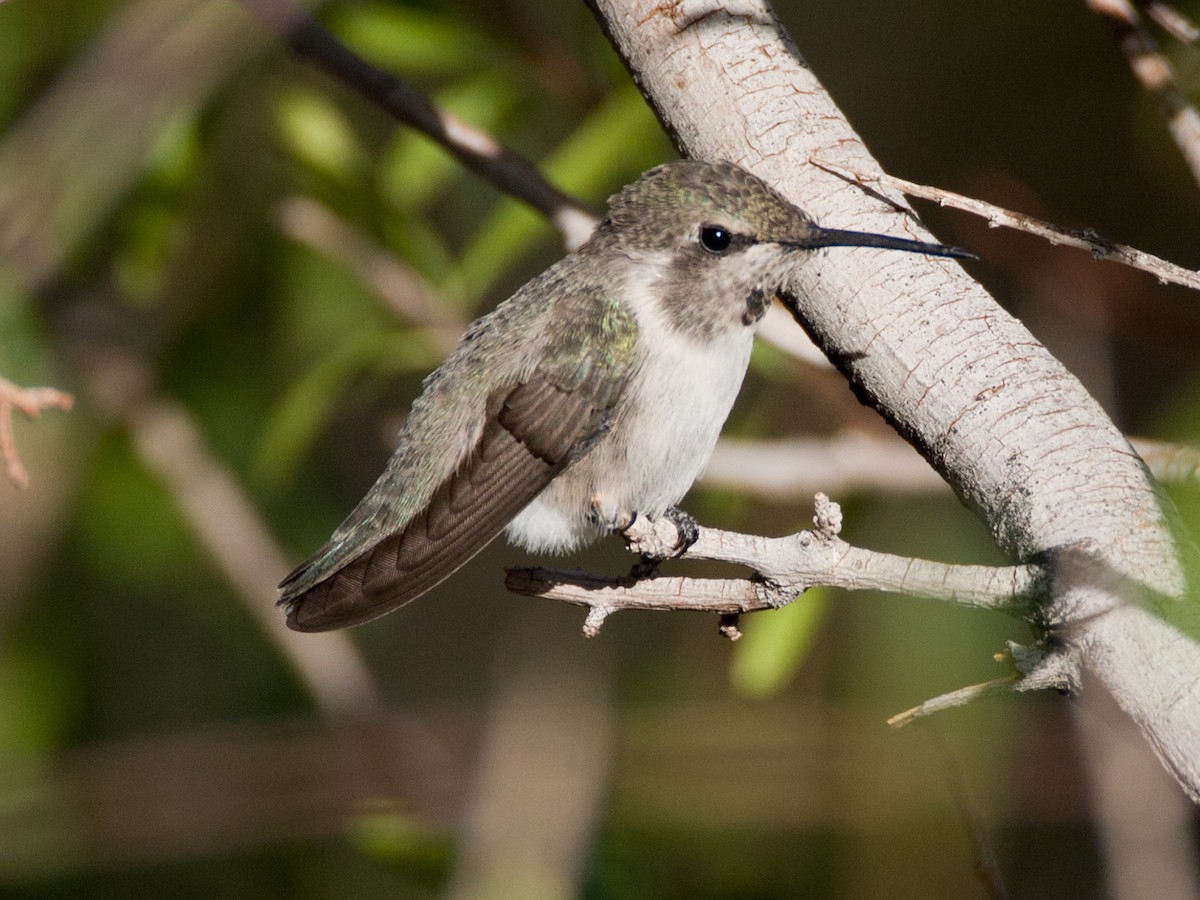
719,241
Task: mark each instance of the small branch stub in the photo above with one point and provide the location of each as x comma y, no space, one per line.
30,402
827,518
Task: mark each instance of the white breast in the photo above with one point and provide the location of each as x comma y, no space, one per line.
662,434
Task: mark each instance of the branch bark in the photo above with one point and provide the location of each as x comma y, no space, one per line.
1011,430
786,567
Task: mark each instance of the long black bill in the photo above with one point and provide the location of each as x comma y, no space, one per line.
835,237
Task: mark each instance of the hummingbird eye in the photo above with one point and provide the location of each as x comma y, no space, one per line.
715,238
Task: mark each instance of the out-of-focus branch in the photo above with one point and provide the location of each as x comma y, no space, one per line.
319,228
1170,20
982,849
87,137
30,402
783,470
1144,829
230,529
1155,74
997,216
542,775
479,151
1169,463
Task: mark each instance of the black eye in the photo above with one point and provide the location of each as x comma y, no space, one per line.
715,238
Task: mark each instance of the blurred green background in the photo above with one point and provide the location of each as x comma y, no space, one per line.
243,272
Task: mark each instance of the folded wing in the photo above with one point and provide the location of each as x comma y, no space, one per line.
531,434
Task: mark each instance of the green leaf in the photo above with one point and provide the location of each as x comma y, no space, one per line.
412,41
385,832
775,644
36,701
316,132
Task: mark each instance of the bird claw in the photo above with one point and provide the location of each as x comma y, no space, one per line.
686,527
667,537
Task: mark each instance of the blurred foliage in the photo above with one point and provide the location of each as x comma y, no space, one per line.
777,643
133,679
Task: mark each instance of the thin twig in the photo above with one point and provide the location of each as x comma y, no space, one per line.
30,402
996,216
1154,72
479,151
982,850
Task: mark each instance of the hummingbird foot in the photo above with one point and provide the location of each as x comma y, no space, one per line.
667,537
686,527
617,522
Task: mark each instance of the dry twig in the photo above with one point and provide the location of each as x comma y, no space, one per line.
997,216
30,402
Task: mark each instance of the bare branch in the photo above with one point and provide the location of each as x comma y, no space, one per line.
479,151
785,568
30,402
997,216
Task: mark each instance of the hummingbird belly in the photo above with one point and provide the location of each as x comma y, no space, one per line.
661,436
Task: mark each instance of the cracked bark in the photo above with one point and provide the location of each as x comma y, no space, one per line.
1007,426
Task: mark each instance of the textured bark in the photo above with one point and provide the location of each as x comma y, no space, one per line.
1011,430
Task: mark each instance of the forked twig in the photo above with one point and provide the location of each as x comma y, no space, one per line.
30,402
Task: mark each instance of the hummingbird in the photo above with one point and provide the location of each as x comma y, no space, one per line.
595,394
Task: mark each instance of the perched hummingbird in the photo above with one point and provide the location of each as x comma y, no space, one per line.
593,395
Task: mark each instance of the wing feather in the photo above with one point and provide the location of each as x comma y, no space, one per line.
531,435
